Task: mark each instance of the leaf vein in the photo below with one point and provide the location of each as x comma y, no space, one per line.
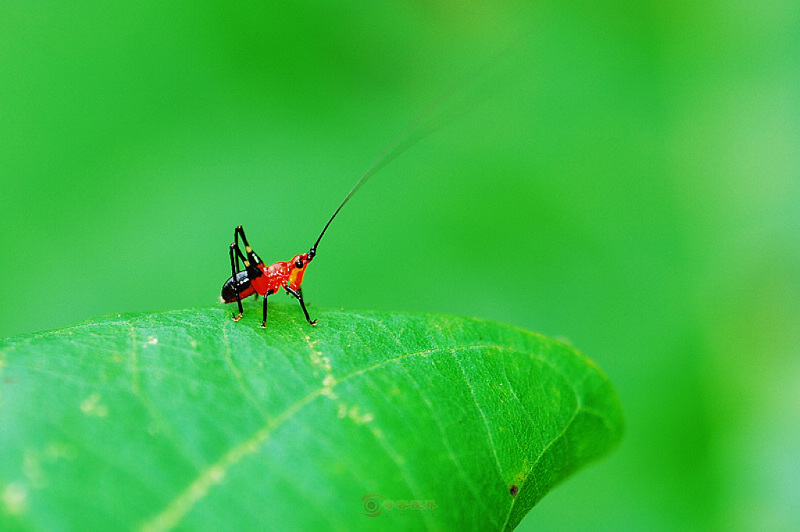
538,458
200,486
483,416
462,473
236,373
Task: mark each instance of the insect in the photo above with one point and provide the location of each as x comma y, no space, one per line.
258,278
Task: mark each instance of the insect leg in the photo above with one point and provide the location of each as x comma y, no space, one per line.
251,255
264,314
234,270
299,295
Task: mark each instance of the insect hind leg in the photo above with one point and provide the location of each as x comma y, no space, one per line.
251,255
235,252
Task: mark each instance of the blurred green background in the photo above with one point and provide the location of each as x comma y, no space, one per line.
632,186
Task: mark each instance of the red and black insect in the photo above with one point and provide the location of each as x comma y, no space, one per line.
258,278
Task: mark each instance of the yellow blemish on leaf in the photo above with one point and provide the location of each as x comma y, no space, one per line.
15,498
216,474
355,414
319,361
56,450
32,468
327,387
91,406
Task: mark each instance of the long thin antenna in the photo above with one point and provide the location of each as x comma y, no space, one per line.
411,135
392,150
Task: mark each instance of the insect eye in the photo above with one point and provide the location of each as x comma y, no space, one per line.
298,263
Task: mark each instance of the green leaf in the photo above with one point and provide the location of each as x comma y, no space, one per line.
189,419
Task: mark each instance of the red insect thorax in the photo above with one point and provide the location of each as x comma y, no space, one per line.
280,275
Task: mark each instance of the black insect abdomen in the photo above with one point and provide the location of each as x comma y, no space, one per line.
243,283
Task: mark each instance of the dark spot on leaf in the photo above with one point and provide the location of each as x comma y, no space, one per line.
514,489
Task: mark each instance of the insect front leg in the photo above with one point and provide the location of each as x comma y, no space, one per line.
299,295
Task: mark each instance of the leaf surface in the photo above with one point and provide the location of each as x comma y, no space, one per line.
372,420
